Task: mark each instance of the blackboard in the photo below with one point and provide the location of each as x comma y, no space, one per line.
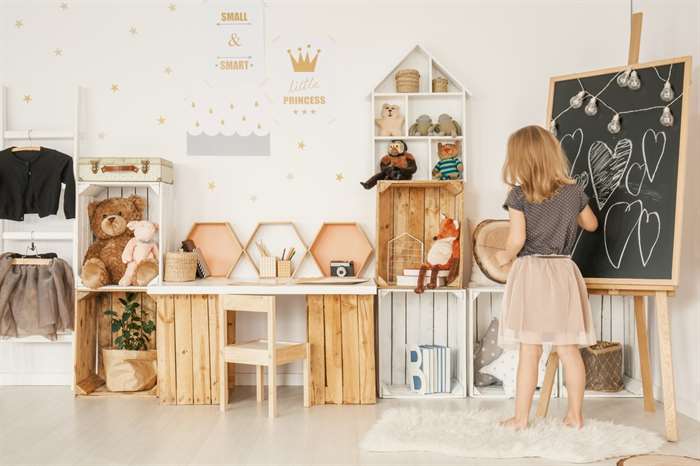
634,178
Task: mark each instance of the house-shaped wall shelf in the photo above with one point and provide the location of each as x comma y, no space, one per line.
414,104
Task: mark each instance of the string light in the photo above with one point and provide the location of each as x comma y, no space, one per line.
667,93
553,127
666,117
577,100
623,77
614,125
591,107
634,82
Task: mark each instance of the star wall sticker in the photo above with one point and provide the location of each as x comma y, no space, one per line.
27,98
58,52
211,186
301,145
339,177
19,23
133,31
161,120
114,88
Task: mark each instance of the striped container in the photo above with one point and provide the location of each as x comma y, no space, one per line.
407,80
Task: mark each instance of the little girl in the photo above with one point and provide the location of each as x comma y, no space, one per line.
545,299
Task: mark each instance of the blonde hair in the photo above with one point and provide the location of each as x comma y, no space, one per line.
536,162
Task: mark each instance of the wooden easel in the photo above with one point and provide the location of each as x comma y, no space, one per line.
660,295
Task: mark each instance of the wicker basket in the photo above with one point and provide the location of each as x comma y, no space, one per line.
407,80
603,362
180,266
440,84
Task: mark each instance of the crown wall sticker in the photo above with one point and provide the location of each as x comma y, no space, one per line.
303,63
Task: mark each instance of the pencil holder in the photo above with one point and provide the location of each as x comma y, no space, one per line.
284,268
268,267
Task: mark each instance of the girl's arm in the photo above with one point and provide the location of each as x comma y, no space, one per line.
587,220
516,238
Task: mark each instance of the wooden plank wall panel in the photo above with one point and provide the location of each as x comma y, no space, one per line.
148,305
214,349
398,337
447,203
426,319
440,319
368,377
432,217
201,378
183,350
167,382
316,324
412,324
416,212
86,338
385,230
384,336
104,327
334,356
231,339
401,210
351,353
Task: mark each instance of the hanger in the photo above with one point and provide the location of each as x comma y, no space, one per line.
31,259
29,147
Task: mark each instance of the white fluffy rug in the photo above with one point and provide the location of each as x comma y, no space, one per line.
477,434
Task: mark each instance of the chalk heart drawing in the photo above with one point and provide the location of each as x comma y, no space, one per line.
636,171
571,144
648,232
618,232
582,179
607,168
653,148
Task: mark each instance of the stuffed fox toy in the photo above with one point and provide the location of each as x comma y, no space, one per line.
443,255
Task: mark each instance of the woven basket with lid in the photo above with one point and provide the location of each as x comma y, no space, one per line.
180,266
440,84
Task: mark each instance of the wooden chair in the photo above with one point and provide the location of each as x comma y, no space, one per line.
268,353
547,384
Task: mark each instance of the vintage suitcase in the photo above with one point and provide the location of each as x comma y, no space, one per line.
147,169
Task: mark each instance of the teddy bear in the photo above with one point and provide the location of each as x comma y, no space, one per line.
446,126
140,254
450,166
398,164
422,127
102,264
391,122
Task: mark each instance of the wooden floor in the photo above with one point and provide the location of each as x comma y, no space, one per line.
46,425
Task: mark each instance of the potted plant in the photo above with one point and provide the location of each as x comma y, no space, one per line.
130,366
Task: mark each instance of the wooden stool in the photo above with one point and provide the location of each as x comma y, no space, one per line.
260,353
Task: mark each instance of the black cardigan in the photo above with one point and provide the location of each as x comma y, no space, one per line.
30,183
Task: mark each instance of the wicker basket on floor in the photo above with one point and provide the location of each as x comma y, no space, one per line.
180,266
407,80
603,362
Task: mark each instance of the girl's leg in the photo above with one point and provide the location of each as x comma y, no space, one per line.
526,384
575,378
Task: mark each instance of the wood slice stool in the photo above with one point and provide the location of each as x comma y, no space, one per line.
268,353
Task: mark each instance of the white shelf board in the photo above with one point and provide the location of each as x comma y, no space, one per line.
37,235
419,94
404,392
38,134
112,288
419,138
263,286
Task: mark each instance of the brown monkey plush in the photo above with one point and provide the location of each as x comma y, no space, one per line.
397,164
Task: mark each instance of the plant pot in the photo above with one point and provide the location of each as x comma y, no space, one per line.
129,371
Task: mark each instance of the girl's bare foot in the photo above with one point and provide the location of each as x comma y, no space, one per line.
573,421
514,423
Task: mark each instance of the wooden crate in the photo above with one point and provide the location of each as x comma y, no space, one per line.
433,318
414,207
93,331
341,334
188,349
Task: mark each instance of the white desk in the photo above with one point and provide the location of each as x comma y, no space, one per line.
272,286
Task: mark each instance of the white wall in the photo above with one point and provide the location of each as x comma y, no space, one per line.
672,28
503,51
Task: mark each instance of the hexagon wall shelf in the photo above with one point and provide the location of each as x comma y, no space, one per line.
276,243
341,241
219,245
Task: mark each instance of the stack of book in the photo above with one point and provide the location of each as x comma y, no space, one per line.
410,278
430,369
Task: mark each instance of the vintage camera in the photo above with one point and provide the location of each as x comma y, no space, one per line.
342,269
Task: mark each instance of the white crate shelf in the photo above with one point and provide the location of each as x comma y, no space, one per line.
405,318
613,319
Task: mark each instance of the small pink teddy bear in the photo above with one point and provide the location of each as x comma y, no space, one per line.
140,254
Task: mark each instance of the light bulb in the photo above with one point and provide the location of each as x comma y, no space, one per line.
591,107
667,93
634,82
614,125
577,100
666,117
623,77
553,127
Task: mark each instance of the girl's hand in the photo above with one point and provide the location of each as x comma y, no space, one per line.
503,258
